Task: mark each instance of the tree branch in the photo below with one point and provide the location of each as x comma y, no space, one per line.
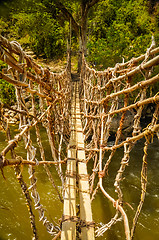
92,3
88,6
67,15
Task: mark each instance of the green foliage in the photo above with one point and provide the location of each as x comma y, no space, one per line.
35,27
41,33
7,90
116,29
120,30
2,65
3,26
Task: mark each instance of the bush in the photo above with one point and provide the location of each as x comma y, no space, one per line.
7,90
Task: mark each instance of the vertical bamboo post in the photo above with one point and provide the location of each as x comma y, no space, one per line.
87,231
69,226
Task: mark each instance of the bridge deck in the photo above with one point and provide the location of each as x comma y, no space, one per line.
76,152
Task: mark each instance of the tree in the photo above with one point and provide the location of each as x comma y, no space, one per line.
33,26
120,30
110,30
79,27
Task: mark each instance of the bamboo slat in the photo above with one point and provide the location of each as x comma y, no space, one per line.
84,191
69,212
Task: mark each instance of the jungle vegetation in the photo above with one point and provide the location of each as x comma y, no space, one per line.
110,31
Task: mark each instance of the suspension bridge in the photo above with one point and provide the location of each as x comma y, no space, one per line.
77,112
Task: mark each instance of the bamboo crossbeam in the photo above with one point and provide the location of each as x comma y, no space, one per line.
13,143
142,66
15,65
121,65
43,73
29,75
38,69
7,44
137,69
154,99
145,133
139,85
23,112
7,53
24,85
20,161
137,59
140,58
15,48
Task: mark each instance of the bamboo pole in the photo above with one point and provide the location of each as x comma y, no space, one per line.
24,85
69,212
75,151
143,66
87,232
122,65
20,161
137,86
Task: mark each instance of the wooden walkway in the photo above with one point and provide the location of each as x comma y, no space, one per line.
76,157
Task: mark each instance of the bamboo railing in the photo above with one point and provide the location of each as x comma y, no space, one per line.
114,94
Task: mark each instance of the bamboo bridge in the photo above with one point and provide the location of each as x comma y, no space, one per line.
77,113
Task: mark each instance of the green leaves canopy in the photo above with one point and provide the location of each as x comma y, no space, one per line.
120,30
116,29
33,26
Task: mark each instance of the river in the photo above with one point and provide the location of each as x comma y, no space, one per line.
14,217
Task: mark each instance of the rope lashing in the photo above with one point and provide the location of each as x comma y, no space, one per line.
80,223
101,174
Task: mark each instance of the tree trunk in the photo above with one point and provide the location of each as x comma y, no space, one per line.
80,55
82,45
80,29
83,34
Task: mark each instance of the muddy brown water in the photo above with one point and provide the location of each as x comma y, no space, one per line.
14,217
